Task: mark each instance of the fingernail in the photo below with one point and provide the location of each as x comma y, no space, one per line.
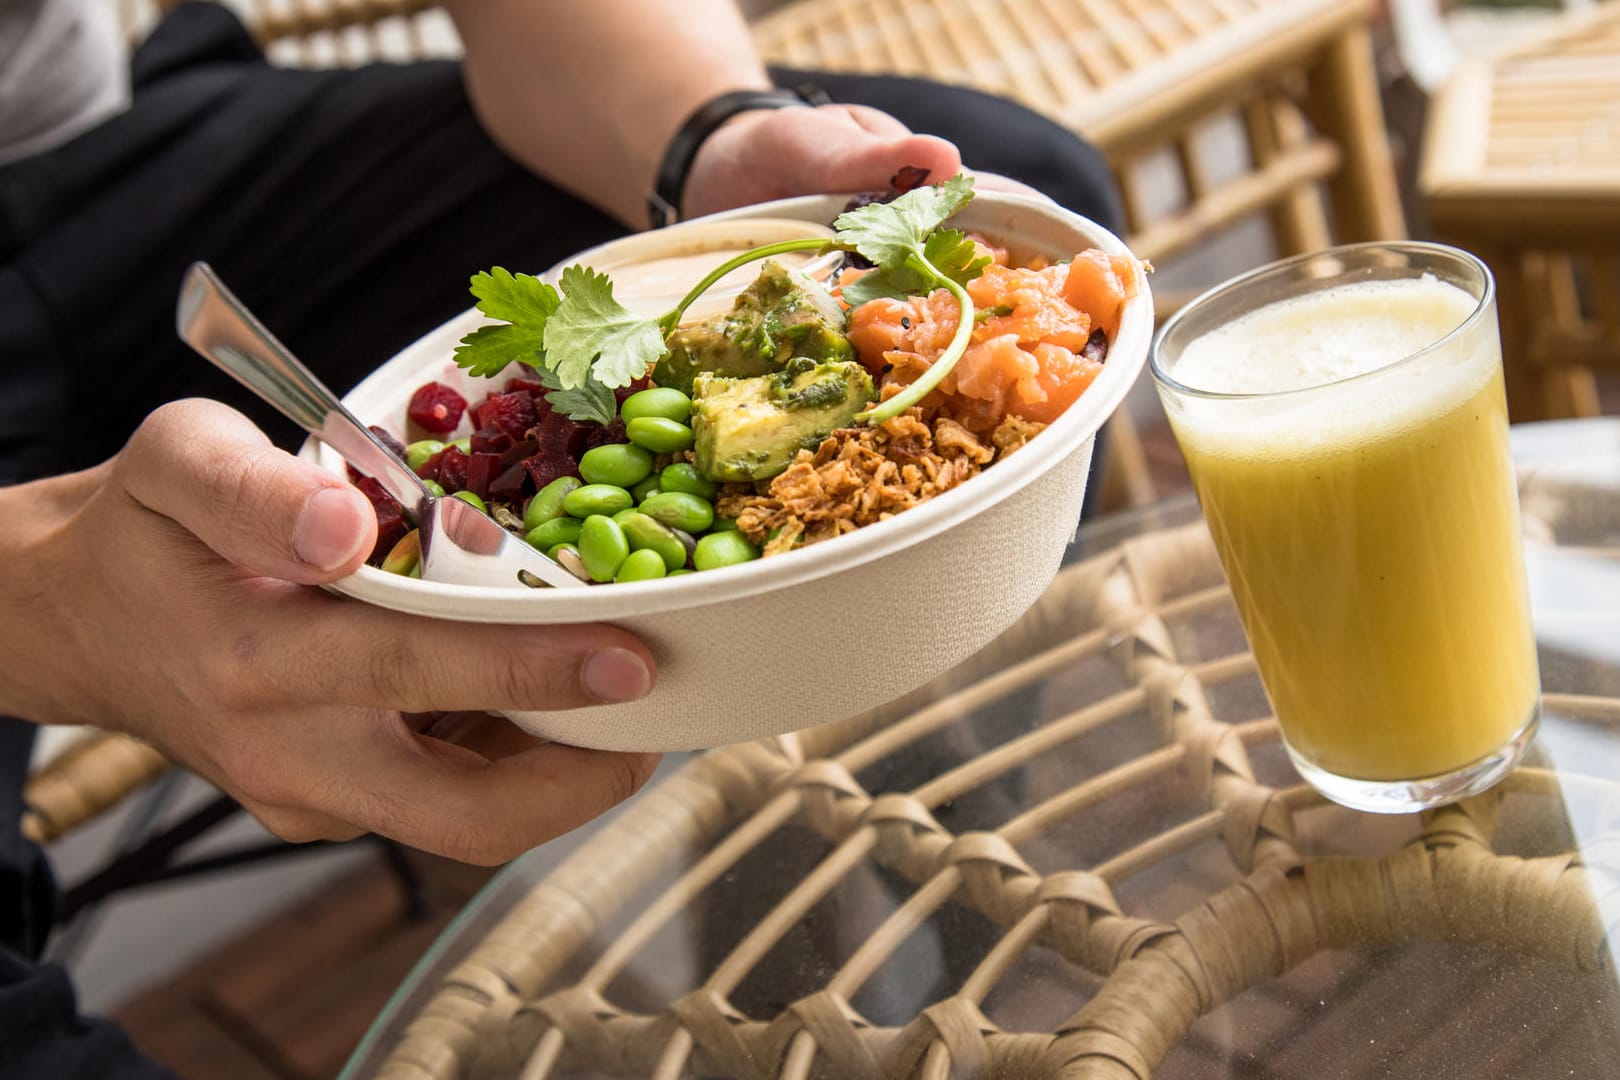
616,675
326,536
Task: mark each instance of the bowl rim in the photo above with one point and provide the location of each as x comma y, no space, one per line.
1080,422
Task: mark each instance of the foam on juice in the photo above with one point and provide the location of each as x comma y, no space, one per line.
1325,337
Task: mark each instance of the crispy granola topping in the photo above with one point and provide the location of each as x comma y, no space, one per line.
858,476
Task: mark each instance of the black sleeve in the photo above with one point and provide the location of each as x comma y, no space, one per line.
42,1035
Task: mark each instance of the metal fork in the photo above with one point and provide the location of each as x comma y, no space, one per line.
461,544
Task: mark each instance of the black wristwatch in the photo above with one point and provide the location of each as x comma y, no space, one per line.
664,204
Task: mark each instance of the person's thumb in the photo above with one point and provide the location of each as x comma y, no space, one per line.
206,467
869,162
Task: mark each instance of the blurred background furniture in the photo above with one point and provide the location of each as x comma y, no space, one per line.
1083,853
1522,165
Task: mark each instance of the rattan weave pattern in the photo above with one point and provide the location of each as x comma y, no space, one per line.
1152,611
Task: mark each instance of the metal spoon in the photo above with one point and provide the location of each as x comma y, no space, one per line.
460,543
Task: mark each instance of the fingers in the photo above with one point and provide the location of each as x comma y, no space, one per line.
480,811
209,469
311,648
988,181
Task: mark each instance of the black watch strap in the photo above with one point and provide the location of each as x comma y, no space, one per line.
664,204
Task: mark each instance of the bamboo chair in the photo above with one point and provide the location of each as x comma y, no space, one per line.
1522,165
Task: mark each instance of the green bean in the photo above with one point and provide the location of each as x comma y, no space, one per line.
646,489
723,524
472,499
723,549
643,565
620,464
602,547
644,533
434,488
548,534
677,573
684,476
603,499
548,501
664,401
679,510
417,453
464,444
659,434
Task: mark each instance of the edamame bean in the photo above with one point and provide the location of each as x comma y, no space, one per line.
464,444
620,464
677,573
723,524
417,453
548,534
684,476
723,549
659,434
471,497
602,547
679,510
434,488
604,499
646,489
664,401
405,558
548,501
644,533
554,553
643,565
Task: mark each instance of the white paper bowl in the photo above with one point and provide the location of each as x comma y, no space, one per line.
831,629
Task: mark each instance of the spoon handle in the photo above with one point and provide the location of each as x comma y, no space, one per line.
214,322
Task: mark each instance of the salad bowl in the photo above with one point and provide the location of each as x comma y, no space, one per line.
830,629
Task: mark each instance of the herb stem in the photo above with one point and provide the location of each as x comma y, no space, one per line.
782,247
937,371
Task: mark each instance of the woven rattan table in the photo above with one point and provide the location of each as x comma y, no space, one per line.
1082,854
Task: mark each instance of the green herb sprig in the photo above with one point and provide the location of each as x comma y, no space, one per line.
585,343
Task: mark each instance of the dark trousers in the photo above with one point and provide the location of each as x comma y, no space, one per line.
347,209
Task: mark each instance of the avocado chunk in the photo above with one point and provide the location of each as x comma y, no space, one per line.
750,429
783,314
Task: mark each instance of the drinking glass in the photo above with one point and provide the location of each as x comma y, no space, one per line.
1369,525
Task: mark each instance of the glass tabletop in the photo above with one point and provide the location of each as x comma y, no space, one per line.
1082,853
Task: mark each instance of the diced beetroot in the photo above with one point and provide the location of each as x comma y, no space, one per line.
552,434
593,435
481,469
436,407
528,386
514,413
490,440
391,523
429,469
508,484
544,468
386,437
452,474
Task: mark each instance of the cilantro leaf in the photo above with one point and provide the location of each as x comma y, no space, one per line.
593,401
592,334
513,298
524,303
891,233
954,255
950,252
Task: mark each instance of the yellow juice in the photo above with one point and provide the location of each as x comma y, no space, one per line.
1370,530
